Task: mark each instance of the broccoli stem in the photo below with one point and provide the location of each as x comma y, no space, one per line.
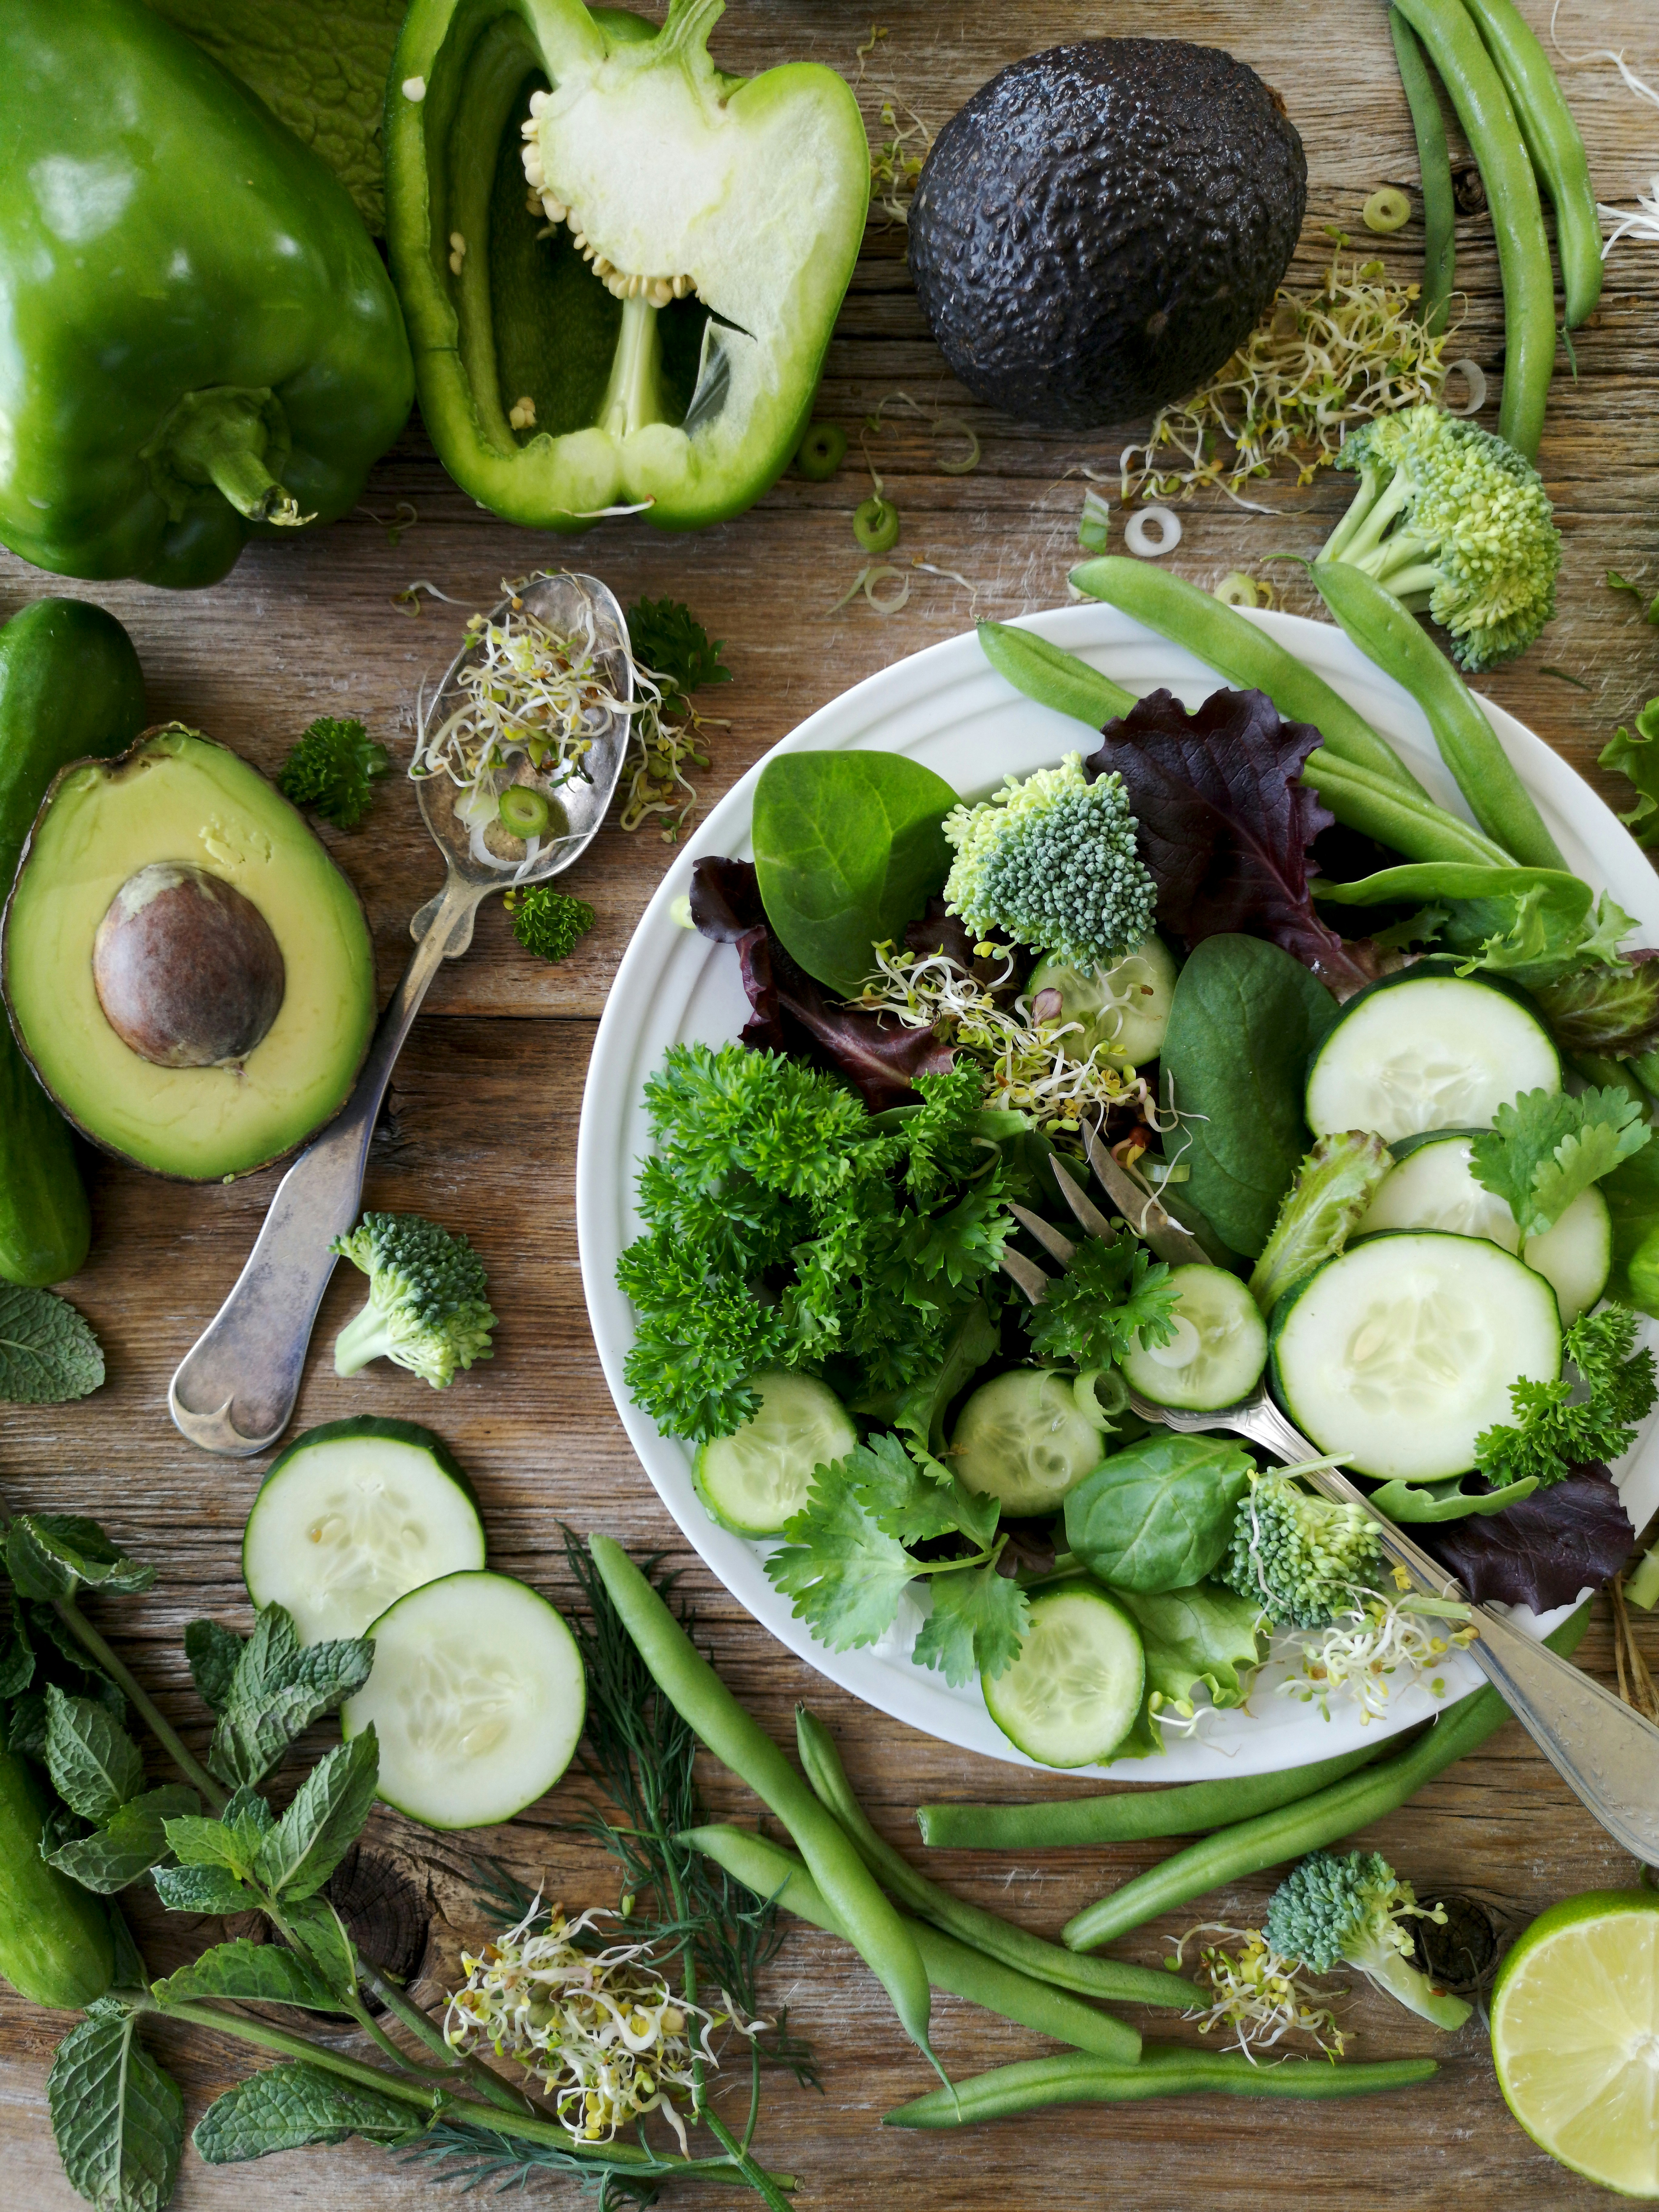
1390,1969
368,1336
1359,534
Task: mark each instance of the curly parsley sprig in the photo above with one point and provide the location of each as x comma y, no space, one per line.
1555,1429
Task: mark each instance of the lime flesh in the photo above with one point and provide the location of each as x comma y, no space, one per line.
1575,2035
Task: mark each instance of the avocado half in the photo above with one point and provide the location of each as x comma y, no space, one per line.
187,970
1103,224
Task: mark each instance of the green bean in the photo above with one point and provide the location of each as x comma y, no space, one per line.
1053,676
1434,167
1128,1815
1470,748
1483,108
1271,1838
1416,826
776,1874
1245,654
1165,2070
982,1931
708,1708
1552,137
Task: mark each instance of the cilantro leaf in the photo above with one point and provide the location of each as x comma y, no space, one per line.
1109,1294
674,646
1546,1148
1555,1431
899,1498
978,1622
845,1574
48,1352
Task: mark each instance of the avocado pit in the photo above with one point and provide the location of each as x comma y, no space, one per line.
187,969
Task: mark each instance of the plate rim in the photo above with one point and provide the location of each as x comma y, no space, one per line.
848,721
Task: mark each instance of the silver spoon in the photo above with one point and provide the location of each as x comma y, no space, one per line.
235,1388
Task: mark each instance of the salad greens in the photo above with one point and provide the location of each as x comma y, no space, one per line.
848,848
1544,1549
1246,1019
1631,753
1206,1638
1328,1200
1160,1514
1547,1147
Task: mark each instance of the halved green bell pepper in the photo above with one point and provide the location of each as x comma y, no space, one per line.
620,267
200,338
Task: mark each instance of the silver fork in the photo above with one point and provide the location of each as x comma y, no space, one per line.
1604,1751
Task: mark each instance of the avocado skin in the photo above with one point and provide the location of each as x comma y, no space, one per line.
1103,224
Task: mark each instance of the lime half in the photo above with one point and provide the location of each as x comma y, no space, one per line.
1574,2036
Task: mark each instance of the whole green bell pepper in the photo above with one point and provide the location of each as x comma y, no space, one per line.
201,340
620,267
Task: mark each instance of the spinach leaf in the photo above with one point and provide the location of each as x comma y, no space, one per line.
1159,1515
1204,1638
1244,1020
849,847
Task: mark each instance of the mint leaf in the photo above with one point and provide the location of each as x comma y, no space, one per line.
118,2117
95,1766
1110,1293
978,1622
213,1652
278,1688
1545,1148
317,1931
845,1576
207,1843
48,1555
48,1353
16,1652
131,1841
201,1889
294,2104
252,1973
326,1819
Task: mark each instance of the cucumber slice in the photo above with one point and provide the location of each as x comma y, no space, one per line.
1125,1008
478,1697
1434,1188
755,1481
1024,1438
1072,1694
1432,1051
1397,1354
350,1516
1219,1350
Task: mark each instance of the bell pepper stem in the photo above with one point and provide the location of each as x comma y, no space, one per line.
222,437
633,395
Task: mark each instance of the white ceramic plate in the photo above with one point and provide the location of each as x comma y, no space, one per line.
949,709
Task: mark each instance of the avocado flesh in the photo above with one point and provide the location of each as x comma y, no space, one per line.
179,797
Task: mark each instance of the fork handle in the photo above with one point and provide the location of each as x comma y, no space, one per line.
1604,1749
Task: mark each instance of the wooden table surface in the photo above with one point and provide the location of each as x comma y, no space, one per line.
480,1130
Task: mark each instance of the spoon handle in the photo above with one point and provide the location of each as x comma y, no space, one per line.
1604,1749
235,1388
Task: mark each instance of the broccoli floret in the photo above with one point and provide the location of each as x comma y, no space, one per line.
427,1310
332,770
548,921
1051,862
1452,518
1301,1557
1350,1908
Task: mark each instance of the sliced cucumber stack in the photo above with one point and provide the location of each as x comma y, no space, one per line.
755,1481
1397,1354
1125,1008
1072,1694
478,1697
1024,1439
1218,1350
350,1516
1434,1187
1427,1051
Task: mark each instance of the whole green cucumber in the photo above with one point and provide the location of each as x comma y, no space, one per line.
56,1947
70,685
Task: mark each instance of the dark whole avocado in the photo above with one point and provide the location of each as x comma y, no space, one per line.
1101,224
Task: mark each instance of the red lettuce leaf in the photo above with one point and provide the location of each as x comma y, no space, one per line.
791,1012
1226,824
1542,1552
